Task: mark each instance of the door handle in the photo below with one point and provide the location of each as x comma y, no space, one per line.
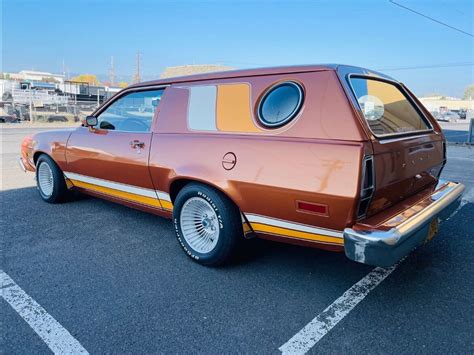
137,144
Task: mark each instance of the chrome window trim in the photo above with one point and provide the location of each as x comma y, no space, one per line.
120,95
291,116
407,96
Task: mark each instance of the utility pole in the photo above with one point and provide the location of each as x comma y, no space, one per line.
112,71
136,76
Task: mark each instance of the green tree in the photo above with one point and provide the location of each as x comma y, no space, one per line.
469,92
122,84
90,79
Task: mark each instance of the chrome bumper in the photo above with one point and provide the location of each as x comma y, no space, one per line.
386,247
21,164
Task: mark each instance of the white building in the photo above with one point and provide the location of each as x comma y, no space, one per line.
35,76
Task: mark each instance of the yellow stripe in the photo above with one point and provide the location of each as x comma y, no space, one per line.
166,205
259,227
69,184
121,194
246,228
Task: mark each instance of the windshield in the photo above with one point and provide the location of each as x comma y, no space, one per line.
386,108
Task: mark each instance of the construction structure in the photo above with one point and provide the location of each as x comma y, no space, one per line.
136,76
112,72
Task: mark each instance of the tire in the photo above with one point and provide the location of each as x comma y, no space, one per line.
208,225
50,180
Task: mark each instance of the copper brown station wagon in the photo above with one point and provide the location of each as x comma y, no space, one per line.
329,156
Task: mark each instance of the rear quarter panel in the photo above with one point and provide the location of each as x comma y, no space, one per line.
270,176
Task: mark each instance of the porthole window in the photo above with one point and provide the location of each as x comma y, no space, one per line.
280,104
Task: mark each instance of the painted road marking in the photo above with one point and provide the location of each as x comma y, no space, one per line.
307,337
58,339
322,324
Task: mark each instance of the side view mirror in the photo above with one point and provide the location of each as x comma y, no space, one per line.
91,121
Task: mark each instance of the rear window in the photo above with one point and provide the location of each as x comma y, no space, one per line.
386,108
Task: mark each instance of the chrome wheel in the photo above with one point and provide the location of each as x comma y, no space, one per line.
199,225
45,179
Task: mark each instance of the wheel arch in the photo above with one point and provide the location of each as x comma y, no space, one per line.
38,153
232,194
179,183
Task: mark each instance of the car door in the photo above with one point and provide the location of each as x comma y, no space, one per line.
112,158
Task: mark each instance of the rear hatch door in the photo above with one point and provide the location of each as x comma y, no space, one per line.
408,148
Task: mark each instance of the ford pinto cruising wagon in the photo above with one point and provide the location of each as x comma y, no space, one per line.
330,156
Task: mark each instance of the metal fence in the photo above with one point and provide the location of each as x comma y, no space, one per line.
49,110
37,98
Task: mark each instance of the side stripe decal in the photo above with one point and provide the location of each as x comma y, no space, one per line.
162,199
128,192
295,230
113,185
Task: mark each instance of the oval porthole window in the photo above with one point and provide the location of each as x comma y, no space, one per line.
280,104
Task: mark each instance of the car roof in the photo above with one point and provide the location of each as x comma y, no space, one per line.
238,73
341,68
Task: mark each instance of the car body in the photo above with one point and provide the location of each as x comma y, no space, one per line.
449,116
6,116
305,155
462,113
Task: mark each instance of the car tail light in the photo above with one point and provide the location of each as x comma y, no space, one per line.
367,186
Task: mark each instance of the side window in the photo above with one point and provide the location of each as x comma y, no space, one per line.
133,112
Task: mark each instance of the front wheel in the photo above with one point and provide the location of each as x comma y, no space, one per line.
208,225
50,180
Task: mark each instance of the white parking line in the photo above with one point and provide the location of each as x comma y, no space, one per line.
307,337
322,324
58,339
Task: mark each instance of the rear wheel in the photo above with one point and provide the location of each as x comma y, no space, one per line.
208,225
50,180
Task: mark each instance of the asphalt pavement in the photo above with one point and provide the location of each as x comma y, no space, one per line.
118,281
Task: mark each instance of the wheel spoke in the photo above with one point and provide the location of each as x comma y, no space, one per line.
199,225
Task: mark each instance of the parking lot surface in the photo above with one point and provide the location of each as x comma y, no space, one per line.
118,282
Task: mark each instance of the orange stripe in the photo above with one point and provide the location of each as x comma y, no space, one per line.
234,109
259,227
120,194
166,205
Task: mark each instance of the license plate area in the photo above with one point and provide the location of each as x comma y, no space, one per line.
433,230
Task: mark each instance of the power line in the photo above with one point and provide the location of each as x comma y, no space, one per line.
467,64
432,19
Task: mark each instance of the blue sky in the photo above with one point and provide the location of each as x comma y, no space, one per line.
40,34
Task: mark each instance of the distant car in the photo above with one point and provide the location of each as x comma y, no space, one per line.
462,114
5,117
436,115
449,116
57,118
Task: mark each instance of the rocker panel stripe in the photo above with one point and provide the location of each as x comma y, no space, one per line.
253,218
162,199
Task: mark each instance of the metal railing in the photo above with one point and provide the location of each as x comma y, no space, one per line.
37,98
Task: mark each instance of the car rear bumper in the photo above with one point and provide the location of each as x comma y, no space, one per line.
387,244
